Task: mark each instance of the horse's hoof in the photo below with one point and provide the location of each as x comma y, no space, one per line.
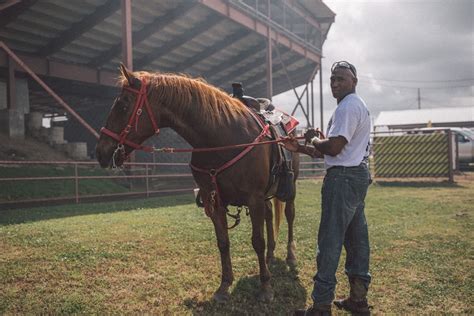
221,297
291,262
266,296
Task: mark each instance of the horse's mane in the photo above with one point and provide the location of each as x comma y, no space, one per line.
190,95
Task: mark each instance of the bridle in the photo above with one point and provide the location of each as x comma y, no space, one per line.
121,138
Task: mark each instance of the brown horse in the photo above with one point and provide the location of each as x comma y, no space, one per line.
205,117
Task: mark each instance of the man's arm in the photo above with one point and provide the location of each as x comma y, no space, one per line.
310,151
292,144
331,146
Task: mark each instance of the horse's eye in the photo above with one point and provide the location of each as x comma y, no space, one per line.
123,106
120,105
124,102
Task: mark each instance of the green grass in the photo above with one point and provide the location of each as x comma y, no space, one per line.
159,256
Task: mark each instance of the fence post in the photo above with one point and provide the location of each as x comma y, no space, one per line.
76,182
450,157
147,184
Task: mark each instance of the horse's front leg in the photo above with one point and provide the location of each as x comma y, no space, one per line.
219,220
291,246
257,215
270,232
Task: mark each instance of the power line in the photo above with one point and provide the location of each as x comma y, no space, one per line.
415,88
418,81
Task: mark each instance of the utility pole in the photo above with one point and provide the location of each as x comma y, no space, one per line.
419,100
269,55
321,93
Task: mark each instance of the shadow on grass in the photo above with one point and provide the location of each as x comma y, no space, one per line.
289,294
40,213
416,184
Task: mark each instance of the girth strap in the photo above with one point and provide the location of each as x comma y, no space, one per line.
213,173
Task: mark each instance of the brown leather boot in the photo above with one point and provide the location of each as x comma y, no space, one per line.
315,310
357,300
357,308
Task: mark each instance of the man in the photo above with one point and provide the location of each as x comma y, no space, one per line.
343,223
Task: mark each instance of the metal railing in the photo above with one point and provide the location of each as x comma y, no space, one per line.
66,181
262,17
32,183
312,169
29,183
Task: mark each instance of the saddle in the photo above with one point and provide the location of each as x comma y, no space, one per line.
256,104
281,125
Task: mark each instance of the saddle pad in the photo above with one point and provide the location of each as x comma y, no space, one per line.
276,116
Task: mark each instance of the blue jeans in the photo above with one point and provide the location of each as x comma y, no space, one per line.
342,223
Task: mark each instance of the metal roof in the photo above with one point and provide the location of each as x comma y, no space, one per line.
436,117
220,40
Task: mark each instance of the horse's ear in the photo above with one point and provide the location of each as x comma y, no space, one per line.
132,80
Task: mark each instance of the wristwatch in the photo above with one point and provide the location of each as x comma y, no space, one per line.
314,139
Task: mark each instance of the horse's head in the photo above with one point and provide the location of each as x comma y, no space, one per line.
125,128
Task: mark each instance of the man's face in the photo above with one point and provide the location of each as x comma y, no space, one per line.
343,82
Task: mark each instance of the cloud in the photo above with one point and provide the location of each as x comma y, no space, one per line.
400,46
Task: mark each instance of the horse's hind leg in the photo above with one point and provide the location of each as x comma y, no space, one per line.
219,220
257,215
291,247
270,232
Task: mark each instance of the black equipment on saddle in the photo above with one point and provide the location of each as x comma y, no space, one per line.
282,169
259,104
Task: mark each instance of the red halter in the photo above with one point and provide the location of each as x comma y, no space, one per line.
133,121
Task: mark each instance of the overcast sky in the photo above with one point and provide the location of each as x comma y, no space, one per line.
397,47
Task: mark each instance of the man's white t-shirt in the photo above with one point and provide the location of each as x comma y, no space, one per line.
351,119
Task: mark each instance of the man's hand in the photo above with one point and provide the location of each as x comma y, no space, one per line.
311,134
290,143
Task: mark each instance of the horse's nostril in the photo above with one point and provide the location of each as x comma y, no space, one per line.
100,158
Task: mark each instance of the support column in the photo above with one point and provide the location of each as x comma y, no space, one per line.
269,57
11,85
321,93
12,116
308,110
312,102
127,53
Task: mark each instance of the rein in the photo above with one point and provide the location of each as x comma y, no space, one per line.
214,201
172,150
141,101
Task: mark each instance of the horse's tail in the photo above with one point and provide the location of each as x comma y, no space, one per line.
279,207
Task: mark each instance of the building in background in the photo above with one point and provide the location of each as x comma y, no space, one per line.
439,117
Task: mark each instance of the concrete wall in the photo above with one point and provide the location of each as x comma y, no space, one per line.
12,121
22,95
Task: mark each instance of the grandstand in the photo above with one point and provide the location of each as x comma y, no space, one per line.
75,47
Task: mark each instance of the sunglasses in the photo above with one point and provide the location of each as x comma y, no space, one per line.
344,64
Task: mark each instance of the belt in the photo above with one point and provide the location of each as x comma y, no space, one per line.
346,168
